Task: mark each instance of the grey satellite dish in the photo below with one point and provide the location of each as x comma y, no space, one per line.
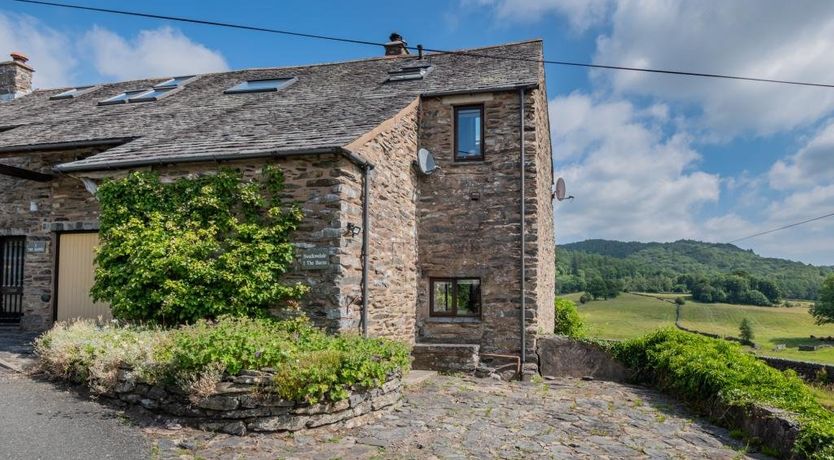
559,193
425,161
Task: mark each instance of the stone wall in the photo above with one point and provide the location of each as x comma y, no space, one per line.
808,371
392,278
561,356
242,404
62,205
317,183
469,222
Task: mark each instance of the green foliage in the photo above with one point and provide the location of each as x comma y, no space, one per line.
309,364
823,309
584,298
745,330
568,321
194,248
704,371
680,301
673,267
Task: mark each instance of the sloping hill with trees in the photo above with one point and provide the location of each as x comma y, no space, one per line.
679,267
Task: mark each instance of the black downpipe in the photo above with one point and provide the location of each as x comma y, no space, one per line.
366,185
523,236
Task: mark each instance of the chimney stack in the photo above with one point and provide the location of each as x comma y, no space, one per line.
396,46
15,77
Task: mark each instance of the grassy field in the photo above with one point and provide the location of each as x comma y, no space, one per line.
631,315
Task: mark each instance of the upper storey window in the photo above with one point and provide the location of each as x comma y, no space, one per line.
469,133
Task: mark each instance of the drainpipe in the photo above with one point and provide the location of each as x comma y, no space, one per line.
523,236
366,185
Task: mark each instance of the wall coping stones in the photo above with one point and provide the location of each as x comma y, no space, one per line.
241,404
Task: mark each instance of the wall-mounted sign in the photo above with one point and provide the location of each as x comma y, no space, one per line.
315,259
35,246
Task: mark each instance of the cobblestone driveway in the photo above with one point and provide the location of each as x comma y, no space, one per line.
453,417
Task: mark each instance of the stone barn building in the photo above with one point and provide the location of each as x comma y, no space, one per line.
456,262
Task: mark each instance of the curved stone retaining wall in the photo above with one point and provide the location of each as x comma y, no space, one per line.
241,404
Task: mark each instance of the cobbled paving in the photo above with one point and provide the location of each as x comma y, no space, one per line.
453,417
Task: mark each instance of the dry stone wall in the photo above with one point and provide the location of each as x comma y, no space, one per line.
243,403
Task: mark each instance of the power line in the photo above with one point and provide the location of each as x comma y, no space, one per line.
462,53
781,228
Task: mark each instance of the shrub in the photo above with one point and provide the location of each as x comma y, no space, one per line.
823,309
86,352
745,330
680,301
309,364
704,371
194,248
585,298
568,321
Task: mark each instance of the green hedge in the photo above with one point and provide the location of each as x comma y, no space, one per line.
702,371
309,365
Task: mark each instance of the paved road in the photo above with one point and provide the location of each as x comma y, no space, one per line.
39,420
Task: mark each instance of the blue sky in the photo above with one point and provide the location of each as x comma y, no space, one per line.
648,157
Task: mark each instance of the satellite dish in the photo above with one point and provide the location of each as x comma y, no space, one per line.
559,193
425,161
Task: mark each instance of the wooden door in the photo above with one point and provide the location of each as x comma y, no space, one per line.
76,273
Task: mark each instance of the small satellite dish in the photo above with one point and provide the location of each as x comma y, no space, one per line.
425,161
559,192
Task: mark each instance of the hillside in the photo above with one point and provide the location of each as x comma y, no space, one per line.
657,267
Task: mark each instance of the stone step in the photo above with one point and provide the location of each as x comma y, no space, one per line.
445,357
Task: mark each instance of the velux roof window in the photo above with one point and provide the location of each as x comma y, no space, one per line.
147,95
71,93
260,86
412,72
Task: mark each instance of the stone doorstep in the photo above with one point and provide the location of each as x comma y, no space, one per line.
450,357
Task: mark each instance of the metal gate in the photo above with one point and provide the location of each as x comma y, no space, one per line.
12,249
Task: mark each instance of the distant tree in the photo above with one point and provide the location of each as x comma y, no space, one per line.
823,309
585,298
597,287
754,297
680,301
613,288
770,289
746,331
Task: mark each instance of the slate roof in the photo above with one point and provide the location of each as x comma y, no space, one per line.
328,106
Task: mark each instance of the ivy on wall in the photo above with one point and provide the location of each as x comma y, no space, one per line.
194,248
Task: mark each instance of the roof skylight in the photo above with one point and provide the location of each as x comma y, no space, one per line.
260,86
155,93
124,97
71,93
414,72
175,82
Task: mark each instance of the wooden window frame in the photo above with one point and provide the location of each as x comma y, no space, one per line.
454,312
456,156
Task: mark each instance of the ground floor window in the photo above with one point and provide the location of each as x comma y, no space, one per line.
455,297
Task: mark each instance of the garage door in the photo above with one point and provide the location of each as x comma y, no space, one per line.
76,272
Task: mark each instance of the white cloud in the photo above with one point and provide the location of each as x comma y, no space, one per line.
61,58
581,14
48,49
759,38
631,181
153,53
812,164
